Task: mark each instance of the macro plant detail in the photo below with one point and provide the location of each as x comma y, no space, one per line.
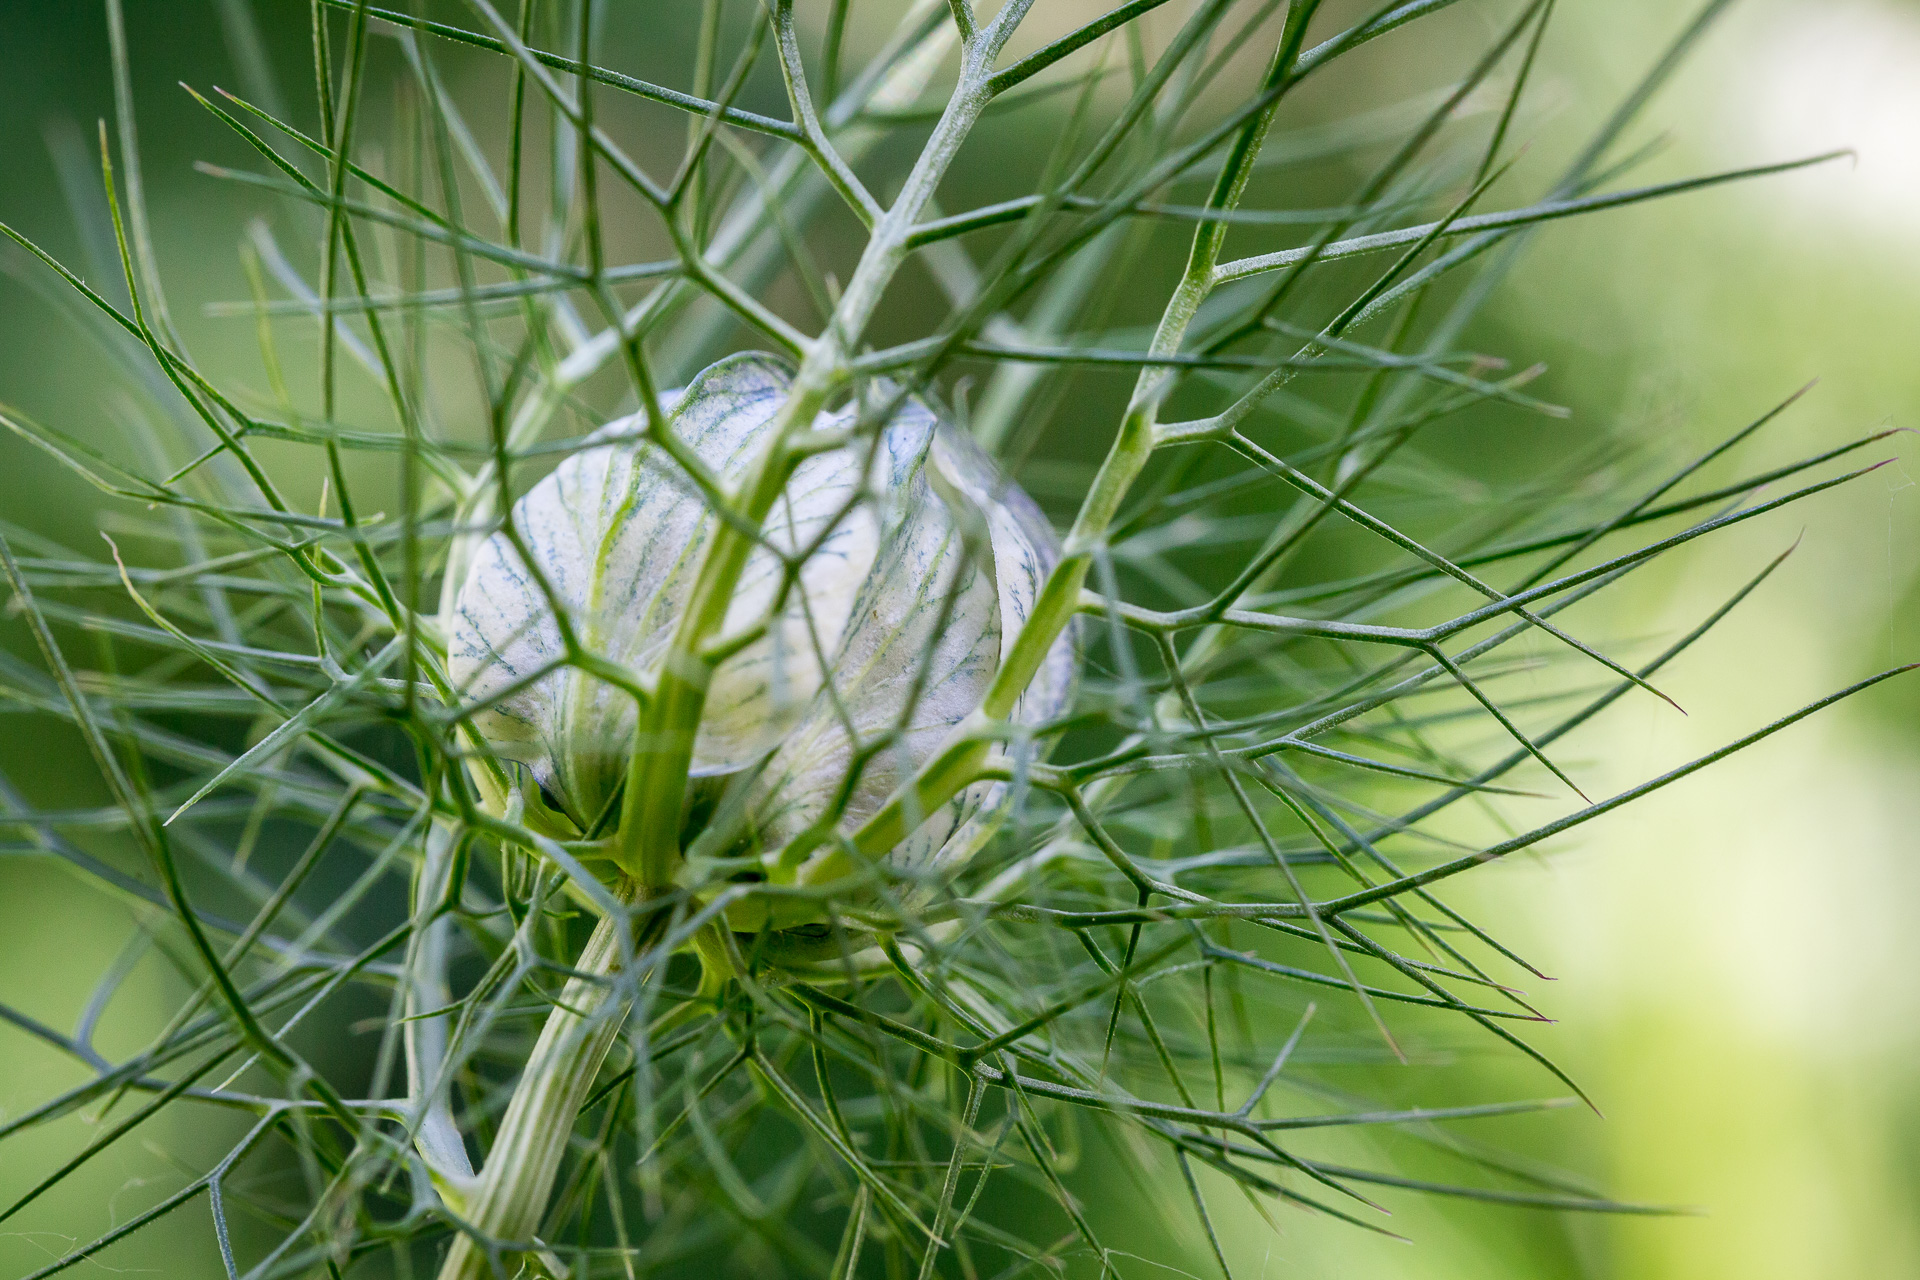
760,755
887,622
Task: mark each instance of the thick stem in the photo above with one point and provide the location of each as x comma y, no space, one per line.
510,1196
504,1205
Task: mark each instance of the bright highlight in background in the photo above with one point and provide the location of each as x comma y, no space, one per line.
1838,75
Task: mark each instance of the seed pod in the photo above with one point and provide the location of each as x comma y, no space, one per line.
892,574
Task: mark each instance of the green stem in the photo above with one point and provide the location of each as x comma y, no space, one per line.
648,842
510,1196
942,777
503,1206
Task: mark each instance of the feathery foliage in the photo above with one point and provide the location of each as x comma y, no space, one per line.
1317,666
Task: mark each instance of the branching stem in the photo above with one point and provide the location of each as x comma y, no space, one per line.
1060,596
648,845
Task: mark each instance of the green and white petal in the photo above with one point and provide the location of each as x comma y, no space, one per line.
943,609
895,570
917,659
618,532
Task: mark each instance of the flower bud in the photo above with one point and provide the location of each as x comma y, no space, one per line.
892,575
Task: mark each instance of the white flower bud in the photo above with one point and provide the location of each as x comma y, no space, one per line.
927,563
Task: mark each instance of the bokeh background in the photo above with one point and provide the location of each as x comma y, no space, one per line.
1737,961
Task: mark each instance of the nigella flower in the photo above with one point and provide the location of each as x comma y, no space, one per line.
894,572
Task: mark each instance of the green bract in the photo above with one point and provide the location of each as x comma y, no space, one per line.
892,574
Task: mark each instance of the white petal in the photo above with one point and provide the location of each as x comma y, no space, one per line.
917,658
618,533
939,614
919,562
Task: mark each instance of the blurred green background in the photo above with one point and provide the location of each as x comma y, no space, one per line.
1736,958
